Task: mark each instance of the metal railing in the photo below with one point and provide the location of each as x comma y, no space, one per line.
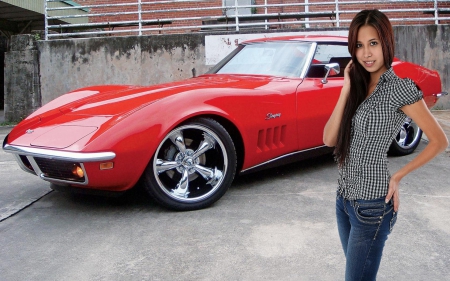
139,17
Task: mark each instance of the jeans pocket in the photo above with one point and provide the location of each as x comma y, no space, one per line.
393,221
370,213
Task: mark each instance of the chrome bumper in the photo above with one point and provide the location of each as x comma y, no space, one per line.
439,95
26,158
60,155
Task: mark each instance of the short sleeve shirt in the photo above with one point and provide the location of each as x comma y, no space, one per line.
376,122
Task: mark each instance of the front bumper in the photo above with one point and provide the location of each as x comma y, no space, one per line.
56,166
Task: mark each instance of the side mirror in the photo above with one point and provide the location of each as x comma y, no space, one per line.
331,70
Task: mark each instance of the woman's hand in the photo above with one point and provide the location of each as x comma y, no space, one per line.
437,142
347,73
393,192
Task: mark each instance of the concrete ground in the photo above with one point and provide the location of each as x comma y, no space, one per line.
278,224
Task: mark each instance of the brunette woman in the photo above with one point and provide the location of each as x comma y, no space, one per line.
371,108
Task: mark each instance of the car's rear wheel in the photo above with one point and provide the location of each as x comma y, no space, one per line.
193,166
407,139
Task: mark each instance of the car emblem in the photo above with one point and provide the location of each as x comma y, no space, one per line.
29,131
272,115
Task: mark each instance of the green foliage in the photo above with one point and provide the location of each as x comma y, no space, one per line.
7,124
37,36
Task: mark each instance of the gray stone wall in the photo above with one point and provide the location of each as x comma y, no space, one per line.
22,89
137,60
65,65
428,46
3,48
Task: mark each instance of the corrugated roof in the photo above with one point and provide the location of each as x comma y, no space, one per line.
16,16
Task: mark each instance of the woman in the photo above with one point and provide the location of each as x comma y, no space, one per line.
371,108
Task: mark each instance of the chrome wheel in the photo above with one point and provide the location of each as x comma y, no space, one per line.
193,166
407,139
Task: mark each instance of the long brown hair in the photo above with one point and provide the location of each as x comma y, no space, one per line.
359,77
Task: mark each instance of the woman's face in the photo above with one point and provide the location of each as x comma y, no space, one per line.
369,52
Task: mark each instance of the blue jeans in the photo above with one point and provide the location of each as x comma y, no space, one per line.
364,226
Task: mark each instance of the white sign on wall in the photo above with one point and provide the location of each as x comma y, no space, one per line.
219,46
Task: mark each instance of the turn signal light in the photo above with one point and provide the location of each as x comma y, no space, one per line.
77,171
106,166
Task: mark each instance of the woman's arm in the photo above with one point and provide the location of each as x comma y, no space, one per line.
331,130
438,142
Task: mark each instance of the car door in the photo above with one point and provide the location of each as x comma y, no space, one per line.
316,97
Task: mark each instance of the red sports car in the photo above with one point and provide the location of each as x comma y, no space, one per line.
265,104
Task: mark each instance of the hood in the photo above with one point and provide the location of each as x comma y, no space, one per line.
113,100
90,111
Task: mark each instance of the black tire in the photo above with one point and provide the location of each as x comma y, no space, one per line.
407,139
200,154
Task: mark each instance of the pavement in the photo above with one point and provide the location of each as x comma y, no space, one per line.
277,224
15,191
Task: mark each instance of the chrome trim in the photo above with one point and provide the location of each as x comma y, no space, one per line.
53,180
308,60
35,166
272,115
77,157
330,66
286,156
22,166
439,95
60,155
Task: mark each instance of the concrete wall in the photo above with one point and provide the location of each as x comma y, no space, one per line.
22,89
3,48
69,64
65,65
428,46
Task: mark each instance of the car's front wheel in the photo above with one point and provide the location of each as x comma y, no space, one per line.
407,139
193,166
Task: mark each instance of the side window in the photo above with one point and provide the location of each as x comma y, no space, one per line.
328,53
325,52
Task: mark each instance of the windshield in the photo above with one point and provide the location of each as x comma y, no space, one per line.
269,58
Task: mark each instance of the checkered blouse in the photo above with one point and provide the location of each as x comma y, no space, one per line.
377,121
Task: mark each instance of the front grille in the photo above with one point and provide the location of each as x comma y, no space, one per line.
58,169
